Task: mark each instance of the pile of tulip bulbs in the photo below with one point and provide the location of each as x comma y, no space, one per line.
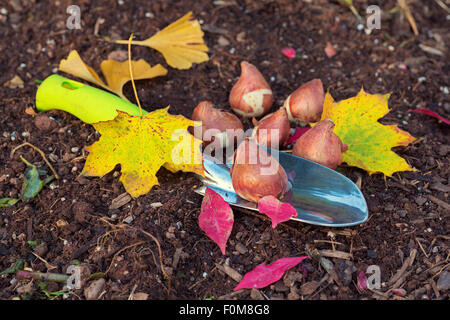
252,97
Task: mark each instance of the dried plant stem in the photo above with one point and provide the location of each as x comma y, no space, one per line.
402,4
40,152
131,74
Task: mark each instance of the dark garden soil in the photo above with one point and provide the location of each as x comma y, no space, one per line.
72,219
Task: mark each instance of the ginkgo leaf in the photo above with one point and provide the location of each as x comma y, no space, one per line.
369,142
141,146
116,73
181,43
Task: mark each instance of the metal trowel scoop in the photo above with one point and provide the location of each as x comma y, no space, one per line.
321,196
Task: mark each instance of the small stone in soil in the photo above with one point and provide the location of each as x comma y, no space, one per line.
93,291
443,282
241,248
402,213
420,200
372,254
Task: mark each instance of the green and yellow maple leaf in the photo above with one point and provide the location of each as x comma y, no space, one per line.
141,146
369,142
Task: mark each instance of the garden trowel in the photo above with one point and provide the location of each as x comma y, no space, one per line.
320,195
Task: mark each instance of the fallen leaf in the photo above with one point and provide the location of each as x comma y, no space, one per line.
430,113
14,83
299,131
369,142
288,52
276,210
399,292
362,281
116,73
30,111
181,43
264,275
142,146
216,218
32,183
8,202
330,51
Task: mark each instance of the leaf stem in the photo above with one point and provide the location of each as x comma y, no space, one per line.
131,74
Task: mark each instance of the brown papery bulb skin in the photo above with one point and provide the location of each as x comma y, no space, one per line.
320,144
251,96
305,104
265,130
219,119
249,179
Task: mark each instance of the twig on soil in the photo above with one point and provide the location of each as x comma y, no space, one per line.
407,11
48,265
443,6
57,277
406,264
120,251
421,248
40,152
439,202
124,226
201,280
336,254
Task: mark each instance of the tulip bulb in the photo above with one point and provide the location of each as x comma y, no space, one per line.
320,144
256,174
305,104
228,127
273,126
251,96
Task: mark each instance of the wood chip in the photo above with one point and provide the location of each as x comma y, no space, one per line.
309,288
431,50
336,254
120,201
233,274
439,202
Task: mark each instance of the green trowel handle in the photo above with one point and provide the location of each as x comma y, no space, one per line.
87,103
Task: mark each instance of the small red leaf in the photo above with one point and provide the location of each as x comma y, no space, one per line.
299,131
330,51
216,218
288,52
362,281
430,113
276,210
263,275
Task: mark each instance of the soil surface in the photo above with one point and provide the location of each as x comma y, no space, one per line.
407,234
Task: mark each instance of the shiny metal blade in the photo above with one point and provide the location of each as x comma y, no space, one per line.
320,195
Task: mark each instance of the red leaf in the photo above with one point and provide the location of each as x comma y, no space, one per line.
276,210
330,51
430,113
288,52
362,281
216,218
299,131
263,275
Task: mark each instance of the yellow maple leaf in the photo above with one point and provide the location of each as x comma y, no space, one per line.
116,73
141,146
369,142
181,43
